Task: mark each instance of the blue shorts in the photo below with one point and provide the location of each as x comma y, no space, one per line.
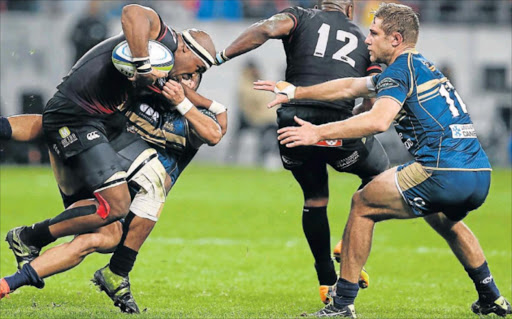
453,192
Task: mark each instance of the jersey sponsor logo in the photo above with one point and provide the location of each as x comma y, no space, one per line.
487,280
330,143
148,113
407,142
68,140
347,161
93,135
64,132
56,149
463,131
386,83
417,201
290,162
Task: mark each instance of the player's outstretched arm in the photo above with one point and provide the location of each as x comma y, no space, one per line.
347,88
22,128
377,120
275,27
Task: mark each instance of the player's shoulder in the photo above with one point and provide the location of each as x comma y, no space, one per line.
299,12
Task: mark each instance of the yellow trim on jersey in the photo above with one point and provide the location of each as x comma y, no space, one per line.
426,95
429,85
411,50
410,66
430,98
457,169
154,135
412,176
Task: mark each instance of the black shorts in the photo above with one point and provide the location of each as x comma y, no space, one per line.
82,140
364,157
69,130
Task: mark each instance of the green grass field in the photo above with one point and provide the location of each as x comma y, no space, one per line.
229,244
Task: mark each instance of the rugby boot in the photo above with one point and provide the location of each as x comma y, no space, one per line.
117,288
332,311
4,289
23,252
500,306
364,277
326,293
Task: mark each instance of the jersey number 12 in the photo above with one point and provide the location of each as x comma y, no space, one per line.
343,36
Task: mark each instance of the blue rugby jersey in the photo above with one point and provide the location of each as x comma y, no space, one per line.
434,123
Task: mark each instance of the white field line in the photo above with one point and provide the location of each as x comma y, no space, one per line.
212,241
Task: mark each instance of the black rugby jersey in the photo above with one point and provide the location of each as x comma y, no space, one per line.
323,46
95,84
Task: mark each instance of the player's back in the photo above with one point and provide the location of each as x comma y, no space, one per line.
434,123
323,46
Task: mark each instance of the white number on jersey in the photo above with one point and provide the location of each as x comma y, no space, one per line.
343,36
443,90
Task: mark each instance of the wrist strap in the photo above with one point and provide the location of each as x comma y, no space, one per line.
288,89
184,106
221,57
143,65
217,108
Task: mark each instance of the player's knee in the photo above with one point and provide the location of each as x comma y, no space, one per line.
84,245
357,201
114,206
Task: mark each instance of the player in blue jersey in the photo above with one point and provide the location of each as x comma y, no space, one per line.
450,174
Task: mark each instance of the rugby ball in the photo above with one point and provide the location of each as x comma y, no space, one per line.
160,56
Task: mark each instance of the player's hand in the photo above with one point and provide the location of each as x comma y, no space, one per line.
173,91
144,79
285,91
305,134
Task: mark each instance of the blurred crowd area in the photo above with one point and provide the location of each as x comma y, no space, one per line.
431,11
477,60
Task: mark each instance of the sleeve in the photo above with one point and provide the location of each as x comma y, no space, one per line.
373,68
393,83
295,13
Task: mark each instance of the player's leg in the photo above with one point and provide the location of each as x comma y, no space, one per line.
365,158
100,170
313,180
379,200
63,257
468,251
152,183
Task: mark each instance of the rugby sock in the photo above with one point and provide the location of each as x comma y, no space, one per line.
26,276
122,261
316,228
5,129
38,234
484,283
346,293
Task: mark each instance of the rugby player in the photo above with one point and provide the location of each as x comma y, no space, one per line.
79,120
320,45
449,177
177,138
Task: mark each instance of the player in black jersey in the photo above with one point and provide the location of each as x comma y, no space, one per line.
79,120
183,135
320,45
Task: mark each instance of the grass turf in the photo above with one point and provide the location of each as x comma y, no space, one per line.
229,244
